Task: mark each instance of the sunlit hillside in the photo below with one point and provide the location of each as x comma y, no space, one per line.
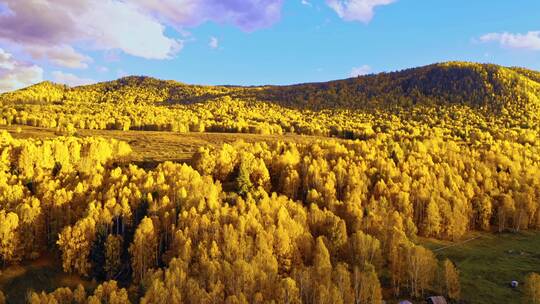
334,193
462,94
483,86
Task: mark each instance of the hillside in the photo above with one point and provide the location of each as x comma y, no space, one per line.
477,85
464,99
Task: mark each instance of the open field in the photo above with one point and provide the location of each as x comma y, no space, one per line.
43,274
490,262
150,147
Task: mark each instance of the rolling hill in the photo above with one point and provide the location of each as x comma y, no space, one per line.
477,85
457,95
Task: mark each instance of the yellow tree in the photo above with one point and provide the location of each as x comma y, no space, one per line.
8,235
342,281
364,248
366,285
532,289
451,285
288,292
143,249
432,222
31,228
75,243
421,268
108,292
113,252
79,294
322,271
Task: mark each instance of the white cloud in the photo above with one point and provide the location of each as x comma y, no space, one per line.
111,56
357,10
70,79
360,71
49,28
63,55
248,15
529,41
305,2
60,30
214,43
122,26
102,69
15,74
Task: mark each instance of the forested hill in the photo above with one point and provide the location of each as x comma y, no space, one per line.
490,87
477,85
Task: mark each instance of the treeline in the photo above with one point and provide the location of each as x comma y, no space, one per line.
236,116
486,86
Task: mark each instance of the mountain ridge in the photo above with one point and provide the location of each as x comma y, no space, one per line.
533,74
493,87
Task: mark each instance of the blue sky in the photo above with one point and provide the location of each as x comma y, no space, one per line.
291,41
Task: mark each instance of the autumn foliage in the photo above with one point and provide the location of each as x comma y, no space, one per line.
336,220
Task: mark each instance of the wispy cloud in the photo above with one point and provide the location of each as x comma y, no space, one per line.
15,74
121,73
248,15
357,10
528,41
62,55
70,79
102,69
360,71
214,43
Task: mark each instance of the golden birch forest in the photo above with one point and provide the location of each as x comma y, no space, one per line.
142,190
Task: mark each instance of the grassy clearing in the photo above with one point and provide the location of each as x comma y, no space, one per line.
489,263
154,146
43,274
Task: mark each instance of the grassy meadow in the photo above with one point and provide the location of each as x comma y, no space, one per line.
490,262
43,274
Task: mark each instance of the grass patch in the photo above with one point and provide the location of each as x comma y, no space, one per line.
43,274
153,147
488,264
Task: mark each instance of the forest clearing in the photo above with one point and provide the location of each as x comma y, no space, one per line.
490,262
153,147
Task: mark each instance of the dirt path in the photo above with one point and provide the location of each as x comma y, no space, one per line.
457,244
